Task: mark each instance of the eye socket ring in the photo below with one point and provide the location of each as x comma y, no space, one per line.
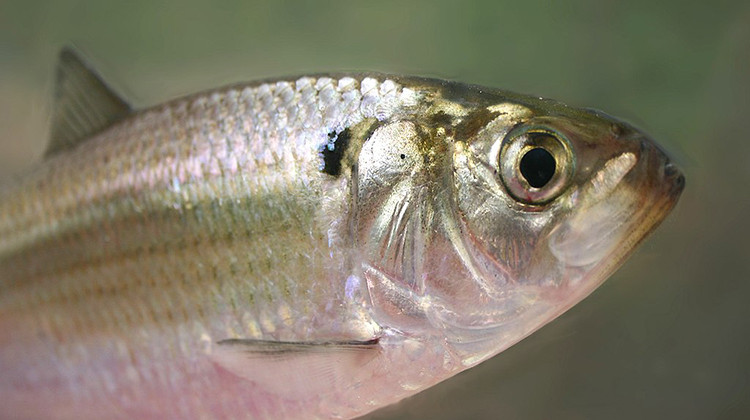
536,164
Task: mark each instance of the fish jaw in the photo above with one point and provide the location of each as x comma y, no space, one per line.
626,199
624,209
482,270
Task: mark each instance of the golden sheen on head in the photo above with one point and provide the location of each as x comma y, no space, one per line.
309,247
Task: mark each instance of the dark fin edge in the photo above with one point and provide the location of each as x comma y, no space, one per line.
297,370
278,347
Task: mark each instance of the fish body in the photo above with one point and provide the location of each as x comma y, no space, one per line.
312,247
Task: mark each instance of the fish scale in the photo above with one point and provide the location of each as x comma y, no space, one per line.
313,247
129,206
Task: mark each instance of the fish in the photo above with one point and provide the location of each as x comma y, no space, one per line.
305,247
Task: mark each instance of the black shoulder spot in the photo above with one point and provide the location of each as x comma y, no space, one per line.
333,152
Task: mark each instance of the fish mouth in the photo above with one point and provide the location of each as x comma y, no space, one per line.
676,180
617,208
661,187
660,183
606,232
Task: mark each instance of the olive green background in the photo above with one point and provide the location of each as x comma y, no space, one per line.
668,336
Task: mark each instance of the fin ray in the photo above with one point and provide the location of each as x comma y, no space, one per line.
83,104
296,370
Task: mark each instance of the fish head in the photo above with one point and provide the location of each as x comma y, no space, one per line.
516,209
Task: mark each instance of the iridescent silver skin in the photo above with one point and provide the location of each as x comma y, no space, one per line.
307,248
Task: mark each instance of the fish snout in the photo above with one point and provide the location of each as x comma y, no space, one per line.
666,178
674,177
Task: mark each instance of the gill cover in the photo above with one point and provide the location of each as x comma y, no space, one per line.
472,215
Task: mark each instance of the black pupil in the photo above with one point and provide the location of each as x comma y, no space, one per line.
538,167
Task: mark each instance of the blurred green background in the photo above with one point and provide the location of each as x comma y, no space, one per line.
668,336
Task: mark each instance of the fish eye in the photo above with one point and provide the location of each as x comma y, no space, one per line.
538,167
536,164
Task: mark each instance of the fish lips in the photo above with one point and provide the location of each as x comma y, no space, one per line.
619,209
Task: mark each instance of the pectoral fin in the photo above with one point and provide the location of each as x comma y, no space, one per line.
296,370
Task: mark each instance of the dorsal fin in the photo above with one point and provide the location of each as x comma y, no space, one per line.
83,104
